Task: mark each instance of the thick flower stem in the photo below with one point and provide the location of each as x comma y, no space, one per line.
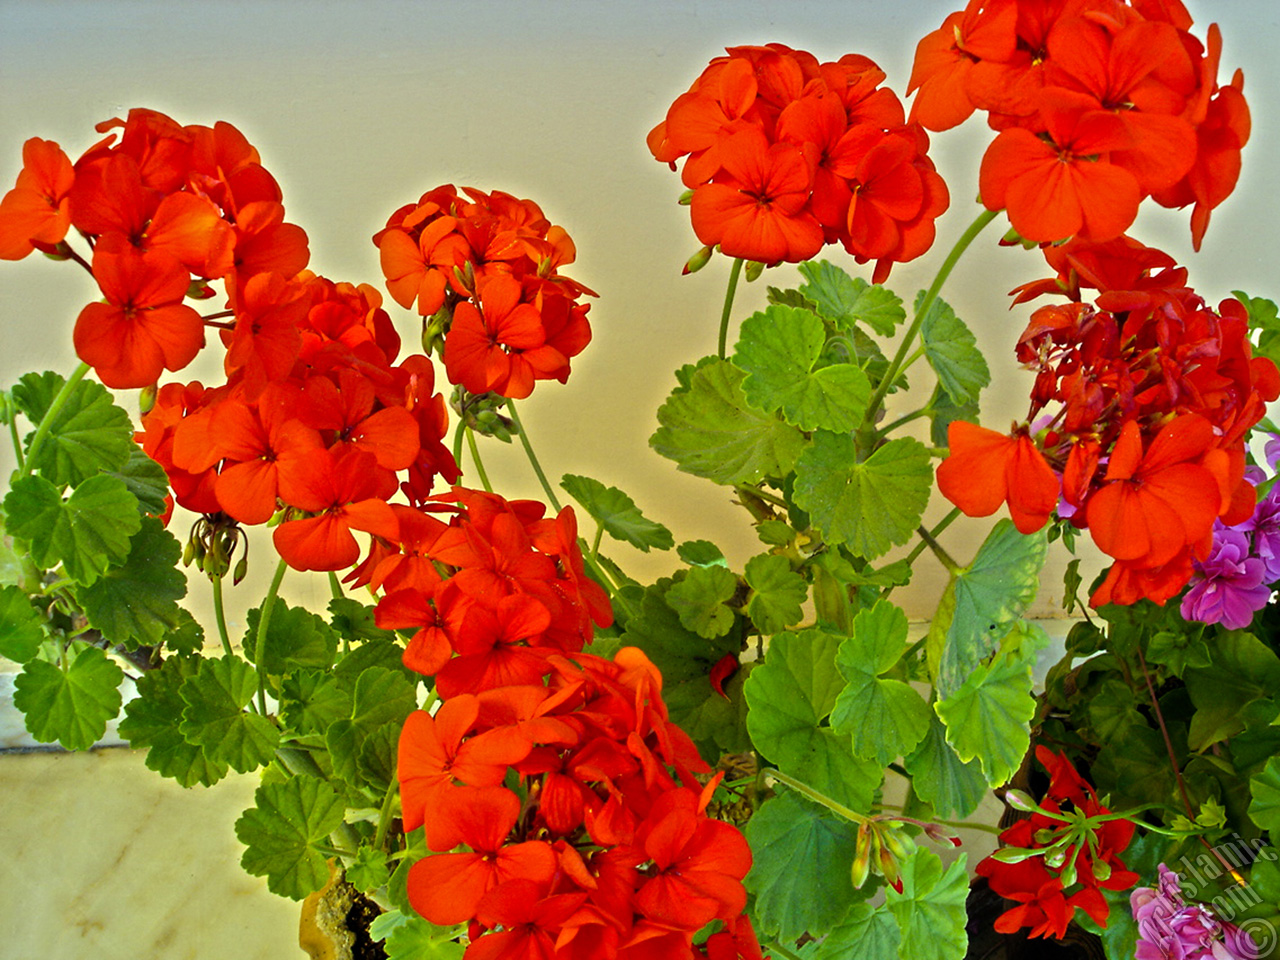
220,614
46,422
807,791
908,340
264,623
384,815
533,457
475,458
944,558
728,305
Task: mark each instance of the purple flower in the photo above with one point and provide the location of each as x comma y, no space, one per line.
1265,526
1171,929
1230,585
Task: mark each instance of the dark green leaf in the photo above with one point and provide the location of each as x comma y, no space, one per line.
1264,809
952,351
944,411
137,603
187,637
1113,711
1178,650
710,430
870,506
311,700
21,626
354,622
152,720
678,652
701,553
71,706
617,513
778,593
845,300
88,435
283,832
954,787
383,698
145,479
700,599
296,639
1243,670
215,718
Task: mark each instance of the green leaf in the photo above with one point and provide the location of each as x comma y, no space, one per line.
701,553
802,854
1264,320
1264,808
989,596
21,626
779,349
311,700
215,718
871,506
778,593
617,513
368,871
409,937
867,933
296,639
952,351
1113,711
284,831
71,706
789,696
954,788
845,300
88,532
886,718
677,651
88,435
700,599
710,430
1178,650
943,411
989,716
145,479
187,637
354,621
930,910
383,698
151,722
137,603
1244,669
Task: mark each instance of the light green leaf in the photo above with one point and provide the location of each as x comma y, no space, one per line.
952,786
802,854
284,831
21,626
710,430
296,639
617,513
886,718
778,593
88,532
215,718
845,300
867,933
989,596
779,349
151,722
952,351
137,603
700,599
789,696
870,506
701,553
409,937
931,908
88,435
1264,808
71,706
989,716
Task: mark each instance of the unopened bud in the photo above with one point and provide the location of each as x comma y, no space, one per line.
189,552
862,857
242,568
1020,801
686,198
147,399
938,833
753,271
199,290
1101,870
697,261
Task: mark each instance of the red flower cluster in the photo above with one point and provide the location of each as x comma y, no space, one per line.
1156,394
486,268
1098,105
786,154
1052,855
554,767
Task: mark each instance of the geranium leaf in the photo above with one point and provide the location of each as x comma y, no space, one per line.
699,600
88,532
369,869
382,698
989,716
311,700
710,430
868,933
778,593
952,351
789,696
943,411
187,636
617,513
954,787
701,553
71,706
354,621
21,626
283,831
931,908
845,300
88,435
779,348
145,479
215,718
885,717
677,651
1243,670
296,638
802,854
409,937
1264,808
989,596
151,722
137,603
872,505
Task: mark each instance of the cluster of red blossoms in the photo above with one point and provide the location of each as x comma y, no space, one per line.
1155,394
1098,104
786,154
485,269
553,767
1076,848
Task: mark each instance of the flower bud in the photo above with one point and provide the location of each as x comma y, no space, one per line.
686,198
1020,801
753,271
242,568
147,399
697,261
862,857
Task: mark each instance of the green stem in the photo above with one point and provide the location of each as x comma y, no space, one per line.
808,791
475,458
384,815
728,305
888,428
533,458
335,586
904,348
944,558
220,614
458,434
260,645
17,442
46,422
595,545
776,947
